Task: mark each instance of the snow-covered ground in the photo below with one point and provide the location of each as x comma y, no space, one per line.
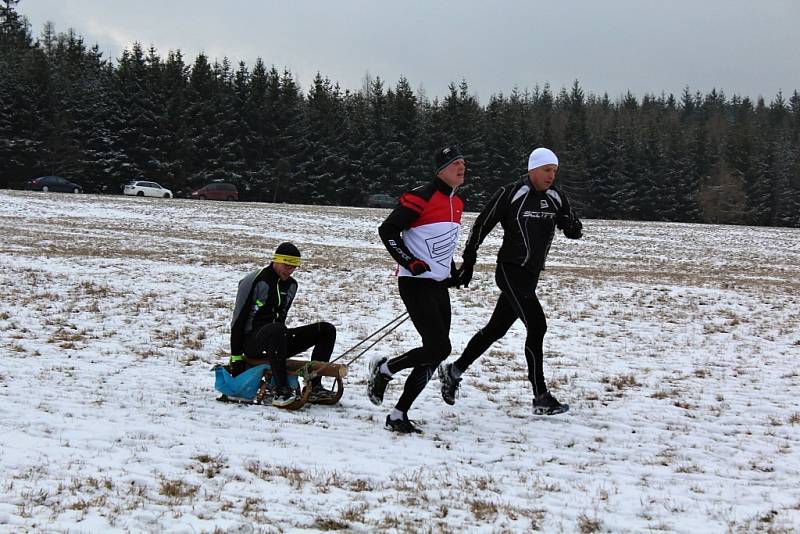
676,346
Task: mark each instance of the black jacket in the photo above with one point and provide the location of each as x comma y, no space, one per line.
262,298
529,219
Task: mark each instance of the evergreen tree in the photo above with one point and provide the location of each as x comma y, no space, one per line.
328,170
460,122
502,147
411,157
290,143
202,139
100,157
140,111
173,86
573,175
15,35
21,89
231,129
263,92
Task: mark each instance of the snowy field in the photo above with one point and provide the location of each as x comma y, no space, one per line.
676,346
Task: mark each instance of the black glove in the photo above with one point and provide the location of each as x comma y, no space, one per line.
466,269
465,274
417,267
454,274
563,219
567,221
573,230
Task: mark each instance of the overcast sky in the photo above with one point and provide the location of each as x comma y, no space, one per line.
747,47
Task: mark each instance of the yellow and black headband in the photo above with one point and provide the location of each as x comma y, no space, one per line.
288,254
294,261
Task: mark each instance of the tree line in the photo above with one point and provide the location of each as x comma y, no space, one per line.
66,110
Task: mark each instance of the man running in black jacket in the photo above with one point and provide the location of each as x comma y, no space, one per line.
421,234
529,212
258,328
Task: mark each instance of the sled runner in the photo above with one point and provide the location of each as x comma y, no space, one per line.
254,385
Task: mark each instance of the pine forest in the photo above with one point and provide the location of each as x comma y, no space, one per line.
67,110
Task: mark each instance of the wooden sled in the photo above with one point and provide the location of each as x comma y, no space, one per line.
305,370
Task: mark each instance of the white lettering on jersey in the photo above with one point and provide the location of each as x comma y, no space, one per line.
538,214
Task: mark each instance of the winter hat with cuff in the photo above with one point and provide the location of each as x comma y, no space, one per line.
541,157
445,156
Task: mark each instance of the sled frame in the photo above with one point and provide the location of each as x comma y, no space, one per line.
307,370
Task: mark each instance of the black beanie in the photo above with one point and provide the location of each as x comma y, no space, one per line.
287,253
445,156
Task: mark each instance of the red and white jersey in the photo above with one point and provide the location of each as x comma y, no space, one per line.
425,225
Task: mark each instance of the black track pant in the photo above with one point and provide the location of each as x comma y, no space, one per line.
428,305
277,343
517,301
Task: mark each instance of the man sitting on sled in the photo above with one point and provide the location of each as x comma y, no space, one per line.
258,328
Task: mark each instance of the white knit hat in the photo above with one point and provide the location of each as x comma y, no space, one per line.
540,157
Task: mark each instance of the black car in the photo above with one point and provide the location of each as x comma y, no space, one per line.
381,201
53,183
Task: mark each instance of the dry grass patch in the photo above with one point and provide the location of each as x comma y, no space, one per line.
177,490
327,523
665,394
620,382
209,466
483,510
689,468
588,525
84,505
355,513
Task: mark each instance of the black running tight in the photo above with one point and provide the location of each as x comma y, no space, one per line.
517,301
276,342
428,305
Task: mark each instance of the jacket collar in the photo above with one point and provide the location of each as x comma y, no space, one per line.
442,186
526,181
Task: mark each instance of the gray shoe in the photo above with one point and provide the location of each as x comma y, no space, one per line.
284,397
546,404
320,395
376,386
450,384
402,426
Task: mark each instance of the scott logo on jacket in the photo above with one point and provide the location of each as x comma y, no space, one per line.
538,214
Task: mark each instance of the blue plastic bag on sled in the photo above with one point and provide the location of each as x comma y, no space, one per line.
243,386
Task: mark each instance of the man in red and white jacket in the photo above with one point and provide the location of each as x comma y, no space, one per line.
421,234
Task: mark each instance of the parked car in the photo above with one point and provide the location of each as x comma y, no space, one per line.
146,189
216,191
381,201
53,183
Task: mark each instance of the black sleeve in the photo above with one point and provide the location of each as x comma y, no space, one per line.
567,220
290,294
390,231
486,221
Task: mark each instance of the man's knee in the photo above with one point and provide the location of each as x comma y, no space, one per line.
272,340
489,335
277,334
540,325
534,318
439,351
326,330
